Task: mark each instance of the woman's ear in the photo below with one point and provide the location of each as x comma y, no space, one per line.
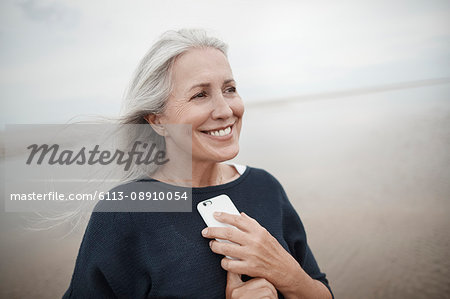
155,122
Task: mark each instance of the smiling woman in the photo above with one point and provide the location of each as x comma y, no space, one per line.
204,95
186,79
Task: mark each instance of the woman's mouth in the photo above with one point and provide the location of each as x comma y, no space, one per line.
220,132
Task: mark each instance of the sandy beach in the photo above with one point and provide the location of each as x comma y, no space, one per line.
368,176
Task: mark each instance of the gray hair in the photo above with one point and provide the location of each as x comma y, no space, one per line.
151,86
148,93
151,83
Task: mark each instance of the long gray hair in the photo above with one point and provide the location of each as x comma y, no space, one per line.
147,93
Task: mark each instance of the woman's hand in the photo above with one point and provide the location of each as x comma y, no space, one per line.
252,289
259,253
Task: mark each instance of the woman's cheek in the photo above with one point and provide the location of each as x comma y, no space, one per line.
238,106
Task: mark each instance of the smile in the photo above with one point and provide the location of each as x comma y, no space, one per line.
218,133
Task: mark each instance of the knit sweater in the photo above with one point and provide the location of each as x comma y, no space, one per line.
164,255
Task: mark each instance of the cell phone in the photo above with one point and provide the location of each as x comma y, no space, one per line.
221,203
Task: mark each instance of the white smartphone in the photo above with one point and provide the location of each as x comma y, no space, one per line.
221,203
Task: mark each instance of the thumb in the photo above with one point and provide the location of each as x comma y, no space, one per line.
233,280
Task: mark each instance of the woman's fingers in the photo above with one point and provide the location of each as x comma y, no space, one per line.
246,228
256,283
234,280
225,233
253,294
242,221
254,288
242,266
227,249
257,252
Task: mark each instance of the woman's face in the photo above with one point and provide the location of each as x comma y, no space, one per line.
204,95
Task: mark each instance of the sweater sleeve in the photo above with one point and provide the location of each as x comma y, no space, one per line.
295,235
107,265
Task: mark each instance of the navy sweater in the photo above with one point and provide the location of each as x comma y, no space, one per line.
163,255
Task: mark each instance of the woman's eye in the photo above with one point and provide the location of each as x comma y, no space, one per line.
199,95
231,89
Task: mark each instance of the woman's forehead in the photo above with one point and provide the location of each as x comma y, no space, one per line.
198,66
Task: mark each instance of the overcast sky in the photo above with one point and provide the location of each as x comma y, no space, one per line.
64,58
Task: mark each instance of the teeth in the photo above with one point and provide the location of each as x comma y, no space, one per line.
224,132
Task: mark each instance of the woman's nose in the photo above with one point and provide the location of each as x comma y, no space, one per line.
221,107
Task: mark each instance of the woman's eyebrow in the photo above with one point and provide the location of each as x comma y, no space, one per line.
209,84
228,81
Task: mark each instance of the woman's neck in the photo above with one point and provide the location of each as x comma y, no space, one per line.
183,169
211,174
204,173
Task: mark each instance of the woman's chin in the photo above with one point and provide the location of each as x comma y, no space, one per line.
221,156
229,157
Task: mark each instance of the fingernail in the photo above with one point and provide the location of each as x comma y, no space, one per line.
217,214
204,231
210,242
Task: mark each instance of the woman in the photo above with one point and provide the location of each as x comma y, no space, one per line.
186,79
